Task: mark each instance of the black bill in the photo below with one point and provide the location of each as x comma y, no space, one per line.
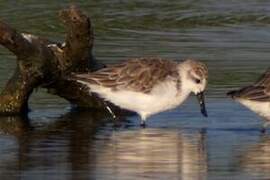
200,97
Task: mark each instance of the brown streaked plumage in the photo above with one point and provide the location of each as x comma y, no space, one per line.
259,91
199,68
138,75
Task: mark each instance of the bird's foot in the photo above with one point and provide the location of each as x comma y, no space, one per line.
263,130
265,125
203,131
143,124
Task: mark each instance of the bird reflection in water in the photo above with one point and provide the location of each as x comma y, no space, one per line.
154,153
256,159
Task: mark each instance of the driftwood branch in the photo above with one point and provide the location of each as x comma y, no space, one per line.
43,63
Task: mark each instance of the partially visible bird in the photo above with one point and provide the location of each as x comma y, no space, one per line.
148,85
256,97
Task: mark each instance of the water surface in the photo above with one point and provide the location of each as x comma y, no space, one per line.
54,142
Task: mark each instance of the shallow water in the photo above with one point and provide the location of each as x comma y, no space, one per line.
232,37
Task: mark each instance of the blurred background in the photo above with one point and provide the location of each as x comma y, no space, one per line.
231,36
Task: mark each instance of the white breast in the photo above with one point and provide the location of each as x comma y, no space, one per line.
163,97
261,108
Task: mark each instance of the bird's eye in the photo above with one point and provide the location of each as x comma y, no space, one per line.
198,81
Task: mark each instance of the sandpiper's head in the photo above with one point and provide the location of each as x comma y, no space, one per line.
194,76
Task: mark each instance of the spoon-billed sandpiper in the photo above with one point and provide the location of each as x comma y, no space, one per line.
148,85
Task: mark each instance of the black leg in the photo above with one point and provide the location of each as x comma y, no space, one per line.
143,124
265,125
109,110
263,130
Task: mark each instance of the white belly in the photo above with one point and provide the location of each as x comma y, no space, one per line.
162,97
261,108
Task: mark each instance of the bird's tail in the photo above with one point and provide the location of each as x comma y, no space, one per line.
77,77
74,76
81,78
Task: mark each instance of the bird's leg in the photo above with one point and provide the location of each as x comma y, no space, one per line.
109,110
265,125
143,124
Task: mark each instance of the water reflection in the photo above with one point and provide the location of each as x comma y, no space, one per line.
59,150
82,146
154,154
14,125
256,159
11,129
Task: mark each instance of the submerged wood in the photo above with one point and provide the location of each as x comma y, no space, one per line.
47,64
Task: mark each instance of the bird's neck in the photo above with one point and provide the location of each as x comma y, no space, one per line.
185,82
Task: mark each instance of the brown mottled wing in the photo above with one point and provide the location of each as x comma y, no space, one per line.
260,91
135,75
264,80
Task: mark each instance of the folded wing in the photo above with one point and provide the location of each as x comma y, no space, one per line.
135,75
260,91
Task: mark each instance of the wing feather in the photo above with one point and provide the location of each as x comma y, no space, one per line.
264,80
260,91
136,75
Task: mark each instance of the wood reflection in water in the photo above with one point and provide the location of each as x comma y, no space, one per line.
59,150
